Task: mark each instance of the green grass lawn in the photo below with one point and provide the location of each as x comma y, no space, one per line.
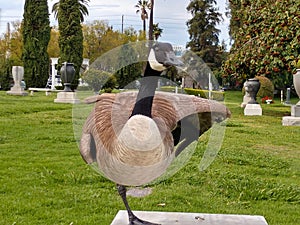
43,179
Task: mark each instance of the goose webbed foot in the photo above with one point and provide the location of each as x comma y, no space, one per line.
136,221
133,219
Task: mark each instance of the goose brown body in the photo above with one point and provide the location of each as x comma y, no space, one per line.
130,137
100,142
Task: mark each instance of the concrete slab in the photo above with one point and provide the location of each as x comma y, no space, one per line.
290,121
253,110
176,218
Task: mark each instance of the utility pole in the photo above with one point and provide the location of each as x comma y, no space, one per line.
122,24
8,36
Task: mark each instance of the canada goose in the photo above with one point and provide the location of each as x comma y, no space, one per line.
131,136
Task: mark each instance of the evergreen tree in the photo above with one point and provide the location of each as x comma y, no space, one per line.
204,36
36,36
131,69
5,74
70,14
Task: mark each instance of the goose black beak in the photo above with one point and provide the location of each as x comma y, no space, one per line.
172,60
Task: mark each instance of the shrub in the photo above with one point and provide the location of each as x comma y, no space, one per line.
266,87
98,80
216,95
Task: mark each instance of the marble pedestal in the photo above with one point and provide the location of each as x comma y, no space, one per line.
67,97
294,119
295,110
253,110
290,121
176,218
17,90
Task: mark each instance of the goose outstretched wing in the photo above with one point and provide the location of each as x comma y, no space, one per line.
186,116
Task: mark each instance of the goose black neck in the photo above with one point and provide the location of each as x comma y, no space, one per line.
144,100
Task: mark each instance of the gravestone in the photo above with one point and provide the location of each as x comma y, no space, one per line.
17,89
288,97
294,119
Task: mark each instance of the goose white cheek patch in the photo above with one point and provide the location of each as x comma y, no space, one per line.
154,63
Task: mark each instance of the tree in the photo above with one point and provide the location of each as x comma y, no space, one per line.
151,23
268,44
143,6
11,46
235,24
53,47
99,37
204,36
70,14
93,39
157,31
99,79
131,35
36,36
131,69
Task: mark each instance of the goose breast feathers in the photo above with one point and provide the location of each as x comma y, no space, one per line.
136,151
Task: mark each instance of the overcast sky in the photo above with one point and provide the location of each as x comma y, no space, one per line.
170,14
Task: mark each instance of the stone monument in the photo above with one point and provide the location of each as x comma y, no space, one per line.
294,119
18,74
252,108
67,75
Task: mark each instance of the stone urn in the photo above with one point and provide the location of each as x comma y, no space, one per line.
252,87
296,81
67,73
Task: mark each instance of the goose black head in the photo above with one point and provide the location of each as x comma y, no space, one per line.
162,56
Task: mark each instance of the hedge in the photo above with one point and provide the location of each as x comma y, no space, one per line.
216,95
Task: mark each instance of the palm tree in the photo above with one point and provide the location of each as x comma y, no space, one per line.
143,6
82,8
157,31
151,26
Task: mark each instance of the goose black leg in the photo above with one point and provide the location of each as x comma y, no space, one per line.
133,219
